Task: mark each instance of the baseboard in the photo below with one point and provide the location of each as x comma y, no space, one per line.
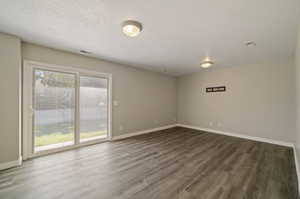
127,135
7,165
259,139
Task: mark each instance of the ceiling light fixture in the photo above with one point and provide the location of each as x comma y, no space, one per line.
206,63
132,28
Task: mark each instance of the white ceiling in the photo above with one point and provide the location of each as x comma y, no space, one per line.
177,34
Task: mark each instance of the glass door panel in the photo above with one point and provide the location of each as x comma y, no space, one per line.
54,109
93,108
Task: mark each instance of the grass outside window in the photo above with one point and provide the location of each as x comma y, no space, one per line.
55,138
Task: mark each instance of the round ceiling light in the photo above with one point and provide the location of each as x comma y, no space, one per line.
206,63
132,28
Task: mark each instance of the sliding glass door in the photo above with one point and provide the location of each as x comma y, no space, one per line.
54,109
93,108
64,108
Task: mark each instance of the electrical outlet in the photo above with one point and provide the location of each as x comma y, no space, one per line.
121,128
219,124
211,123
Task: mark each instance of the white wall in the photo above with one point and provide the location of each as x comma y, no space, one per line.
10,71
146,99
259,100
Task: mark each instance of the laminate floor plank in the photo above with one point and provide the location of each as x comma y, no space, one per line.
177,163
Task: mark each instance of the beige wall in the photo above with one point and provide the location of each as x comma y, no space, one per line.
259,100
146,99
10,70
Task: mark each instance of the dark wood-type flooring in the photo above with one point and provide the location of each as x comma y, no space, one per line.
176,163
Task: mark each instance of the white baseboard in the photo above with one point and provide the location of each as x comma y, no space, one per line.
259,139
127,135
7,165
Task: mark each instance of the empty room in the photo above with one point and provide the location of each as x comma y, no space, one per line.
107,99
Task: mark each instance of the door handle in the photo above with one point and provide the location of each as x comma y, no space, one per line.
31,111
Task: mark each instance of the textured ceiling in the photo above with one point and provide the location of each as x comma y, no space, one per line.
176,36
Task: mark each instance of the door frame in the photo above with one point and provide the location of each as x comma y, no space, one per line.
27,138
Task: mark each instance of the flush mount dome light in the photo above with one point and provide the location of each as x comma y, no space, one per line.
132,28
206,63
